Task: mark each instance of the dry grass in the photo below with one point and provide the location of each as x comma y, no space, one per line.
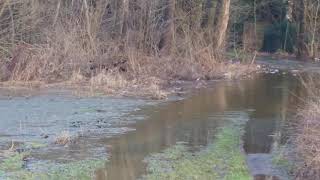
63,138
308,141
307,137
80,43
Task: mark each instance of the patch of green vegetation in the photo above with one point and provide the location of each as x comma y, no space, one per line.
34,145
87,110
78,170
12,169
12,163
280,160
222,159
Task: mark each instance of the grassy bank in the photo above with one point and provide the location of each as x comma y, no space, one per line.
223,159
13,167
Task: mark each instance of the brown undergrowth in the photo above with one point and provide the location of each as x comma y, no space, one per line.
127,73
130,73
96,45
307,136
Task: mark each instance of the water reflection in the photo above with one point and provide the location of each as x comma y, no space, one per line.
195,119
271,108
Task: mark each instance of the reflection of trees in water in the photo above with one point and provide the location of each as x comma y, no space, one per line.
195,119
271,101
292,98
191,120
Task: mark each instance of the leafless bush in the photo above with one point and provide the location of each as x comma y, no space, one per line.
313,28
113,42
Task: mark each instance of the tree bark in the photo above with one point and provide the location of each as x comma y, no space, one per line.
89,26
146,24
221,20
313,45
167,36
206,8
302,51
125,14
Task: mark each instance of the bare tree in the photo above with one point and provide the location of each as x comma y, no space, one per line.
300,19
167,37
125,14
207,5
221,20
314,28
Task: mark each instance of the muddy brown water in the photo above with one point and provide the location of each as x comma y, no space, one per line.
266,99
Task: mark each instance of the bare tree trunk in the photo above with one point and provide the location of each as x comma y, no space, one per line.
314,32
57,13
206,8
300,18
146,24
89,26
125,14
289,17
12,27
289,13
167,37
221,20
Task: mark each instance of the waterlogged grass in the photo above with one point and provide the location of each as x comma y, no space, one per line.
282,161
34,145
13,163
222,159
12,168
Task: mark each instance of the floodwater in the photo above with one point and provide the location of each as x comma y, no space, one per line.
265,99
125,131
42,118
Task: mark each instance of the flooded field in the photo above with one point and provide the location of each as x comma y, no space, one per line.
123,132
265,101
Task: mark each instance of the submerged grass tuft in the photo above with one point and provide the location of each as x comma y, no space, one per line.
222,159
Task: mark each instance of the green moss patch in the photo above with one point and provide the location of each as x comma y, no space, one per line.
223,159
